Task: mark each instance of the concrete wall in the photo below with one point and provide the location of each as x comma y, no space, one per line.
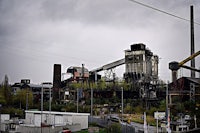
53,129
29,129
81,119
57,118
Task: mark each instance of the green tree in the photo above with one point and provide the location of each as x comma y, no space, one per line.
162,106
6,97
75,85
101,84
12,111
125,85
128,109
22,96
2,100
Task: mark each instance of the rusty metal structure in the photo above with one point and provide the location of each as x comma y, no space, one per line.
184,87
108,69
140,64
174,66
78,73
141,70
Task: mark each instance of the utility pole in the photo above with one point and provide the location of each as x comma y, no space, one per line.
91,103
77,100
50,107
167,106
50,99
27,93
167,110
82,79
41,105
122,102
167,93
157,123
0,117
195,121
95,78
192,40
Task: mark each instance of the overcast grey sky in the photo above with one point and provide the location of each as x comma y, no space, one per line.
35,34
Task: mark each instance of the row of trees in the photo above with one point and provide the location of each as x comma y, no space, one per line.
101,84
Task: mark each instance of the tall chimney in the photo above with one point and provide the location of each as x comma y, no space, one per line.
56,81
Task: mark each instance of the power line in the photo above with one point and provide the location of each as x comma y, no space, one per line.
38,54
156,9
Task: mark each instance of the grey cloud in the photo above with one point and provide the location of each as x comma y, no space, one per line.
71,32
95,12
104,12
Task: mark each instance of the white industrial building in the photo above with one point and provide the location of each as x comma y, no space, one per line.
34,118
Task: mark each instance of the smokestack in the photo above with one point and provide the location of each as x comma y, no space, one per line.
56,81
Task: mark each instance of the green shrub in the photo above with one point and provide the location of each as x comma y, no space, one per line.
12,111
114,128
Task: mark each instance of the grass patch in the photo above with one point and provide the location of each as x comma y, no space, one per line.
138,118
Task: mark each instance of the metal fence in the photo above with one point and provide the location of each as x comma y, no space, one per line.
128,128
104,122
99,121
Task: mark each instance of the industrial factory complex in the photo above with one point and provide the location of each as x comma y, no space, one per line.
140,82
141,71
